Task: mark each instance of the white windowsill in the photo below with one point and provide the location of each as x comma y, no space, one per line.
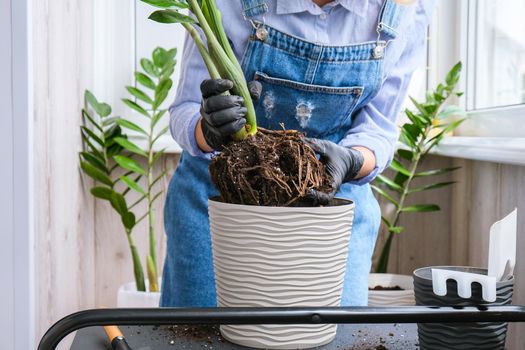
491,149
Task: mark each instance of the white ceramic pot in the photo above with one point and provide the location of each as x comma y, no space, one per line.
128,296
403,297
279,256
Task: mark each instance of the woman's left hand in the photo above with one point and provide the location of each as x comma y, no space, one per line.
342,163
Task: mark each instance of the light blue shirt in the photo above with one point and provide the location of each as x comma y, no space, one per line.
341,22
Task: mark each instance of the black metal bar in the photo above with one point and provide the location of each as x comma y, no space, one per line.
356,315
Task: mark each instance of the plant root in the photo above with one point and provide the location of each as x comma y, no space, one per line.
272,168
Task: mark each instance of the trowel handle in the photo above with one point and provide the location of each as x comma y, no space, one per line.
118,342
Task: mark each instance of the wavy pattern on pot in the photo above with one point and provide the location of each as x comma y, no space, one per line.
275,256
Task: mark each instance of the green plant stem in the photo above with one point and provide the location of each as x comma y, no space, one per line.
382,263
152,262
228,69
137,265
212,69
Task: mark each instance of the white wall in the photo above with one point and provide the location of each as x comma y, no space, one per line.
16,250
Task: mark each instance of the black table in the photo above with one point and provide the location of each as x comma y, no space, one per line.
349,337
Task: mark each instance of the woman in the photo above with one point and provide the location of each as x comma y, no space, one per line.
339,71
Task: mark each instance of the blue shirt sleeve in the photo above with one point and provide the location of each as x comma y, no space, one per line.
184,111
374,127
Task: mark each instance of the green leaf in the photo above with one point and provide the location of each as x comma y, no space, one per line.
161,92
395,229
95,161
129,164
144,80
170,16
414,118
95,173
451,111
158,178
412,132
131,126
90,99
135,107
391,184
141,95
128,220
421,108
157,195
148,67
400,179
453,75
86,115
431,187
109,121
385,195
160,57
436,171
101,108
92,135
385,221
157,117
166,3
94,150
421,208
405,154
130,146
118,203
404,139
397,166
102,192
132,184
160,134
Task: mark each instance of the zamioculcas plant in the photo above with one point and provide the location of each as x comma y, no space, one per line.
419,136
218,55
247,171
113,160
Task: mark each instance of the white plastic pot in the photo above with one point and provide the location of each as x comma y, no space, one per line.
280,256
128,296
403,297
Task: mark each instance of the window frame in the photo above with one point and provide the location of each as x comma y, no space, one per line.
483,122
492,134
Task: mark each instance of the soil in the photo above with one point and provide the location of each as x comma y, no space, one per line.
272,168
386,288
197,333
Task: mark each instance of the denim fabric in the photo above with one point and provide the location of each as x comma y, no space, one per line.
310,87
336,25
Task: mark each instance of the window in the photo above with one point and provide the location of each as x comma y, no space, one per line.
497,56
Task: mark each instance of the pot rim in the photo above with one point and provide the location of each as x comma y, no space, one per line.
404,281
347,204
444,267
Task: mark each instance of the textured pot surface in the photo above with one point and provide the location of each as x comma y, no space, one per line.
128,296
403,297
279,256
477,335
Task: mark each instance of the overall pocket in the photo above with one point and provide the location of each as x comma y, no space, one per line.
314,109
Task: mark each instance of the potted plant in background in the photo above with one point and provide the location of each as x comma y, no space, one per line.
120,167
266,252
426,127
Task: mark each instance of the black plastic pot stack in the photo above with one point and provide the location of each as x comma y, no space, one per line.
446,336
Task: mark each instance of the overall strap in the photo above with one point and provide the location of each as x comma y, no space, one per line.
389,20
252,8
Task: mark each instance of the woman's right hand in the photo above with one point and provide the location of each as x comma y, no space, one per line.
222,115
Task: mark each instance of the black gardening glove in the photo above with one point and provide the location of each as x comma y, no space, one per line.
223,116
342,163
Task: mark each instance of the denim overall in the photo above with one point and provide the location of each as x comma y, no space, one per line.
309,87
